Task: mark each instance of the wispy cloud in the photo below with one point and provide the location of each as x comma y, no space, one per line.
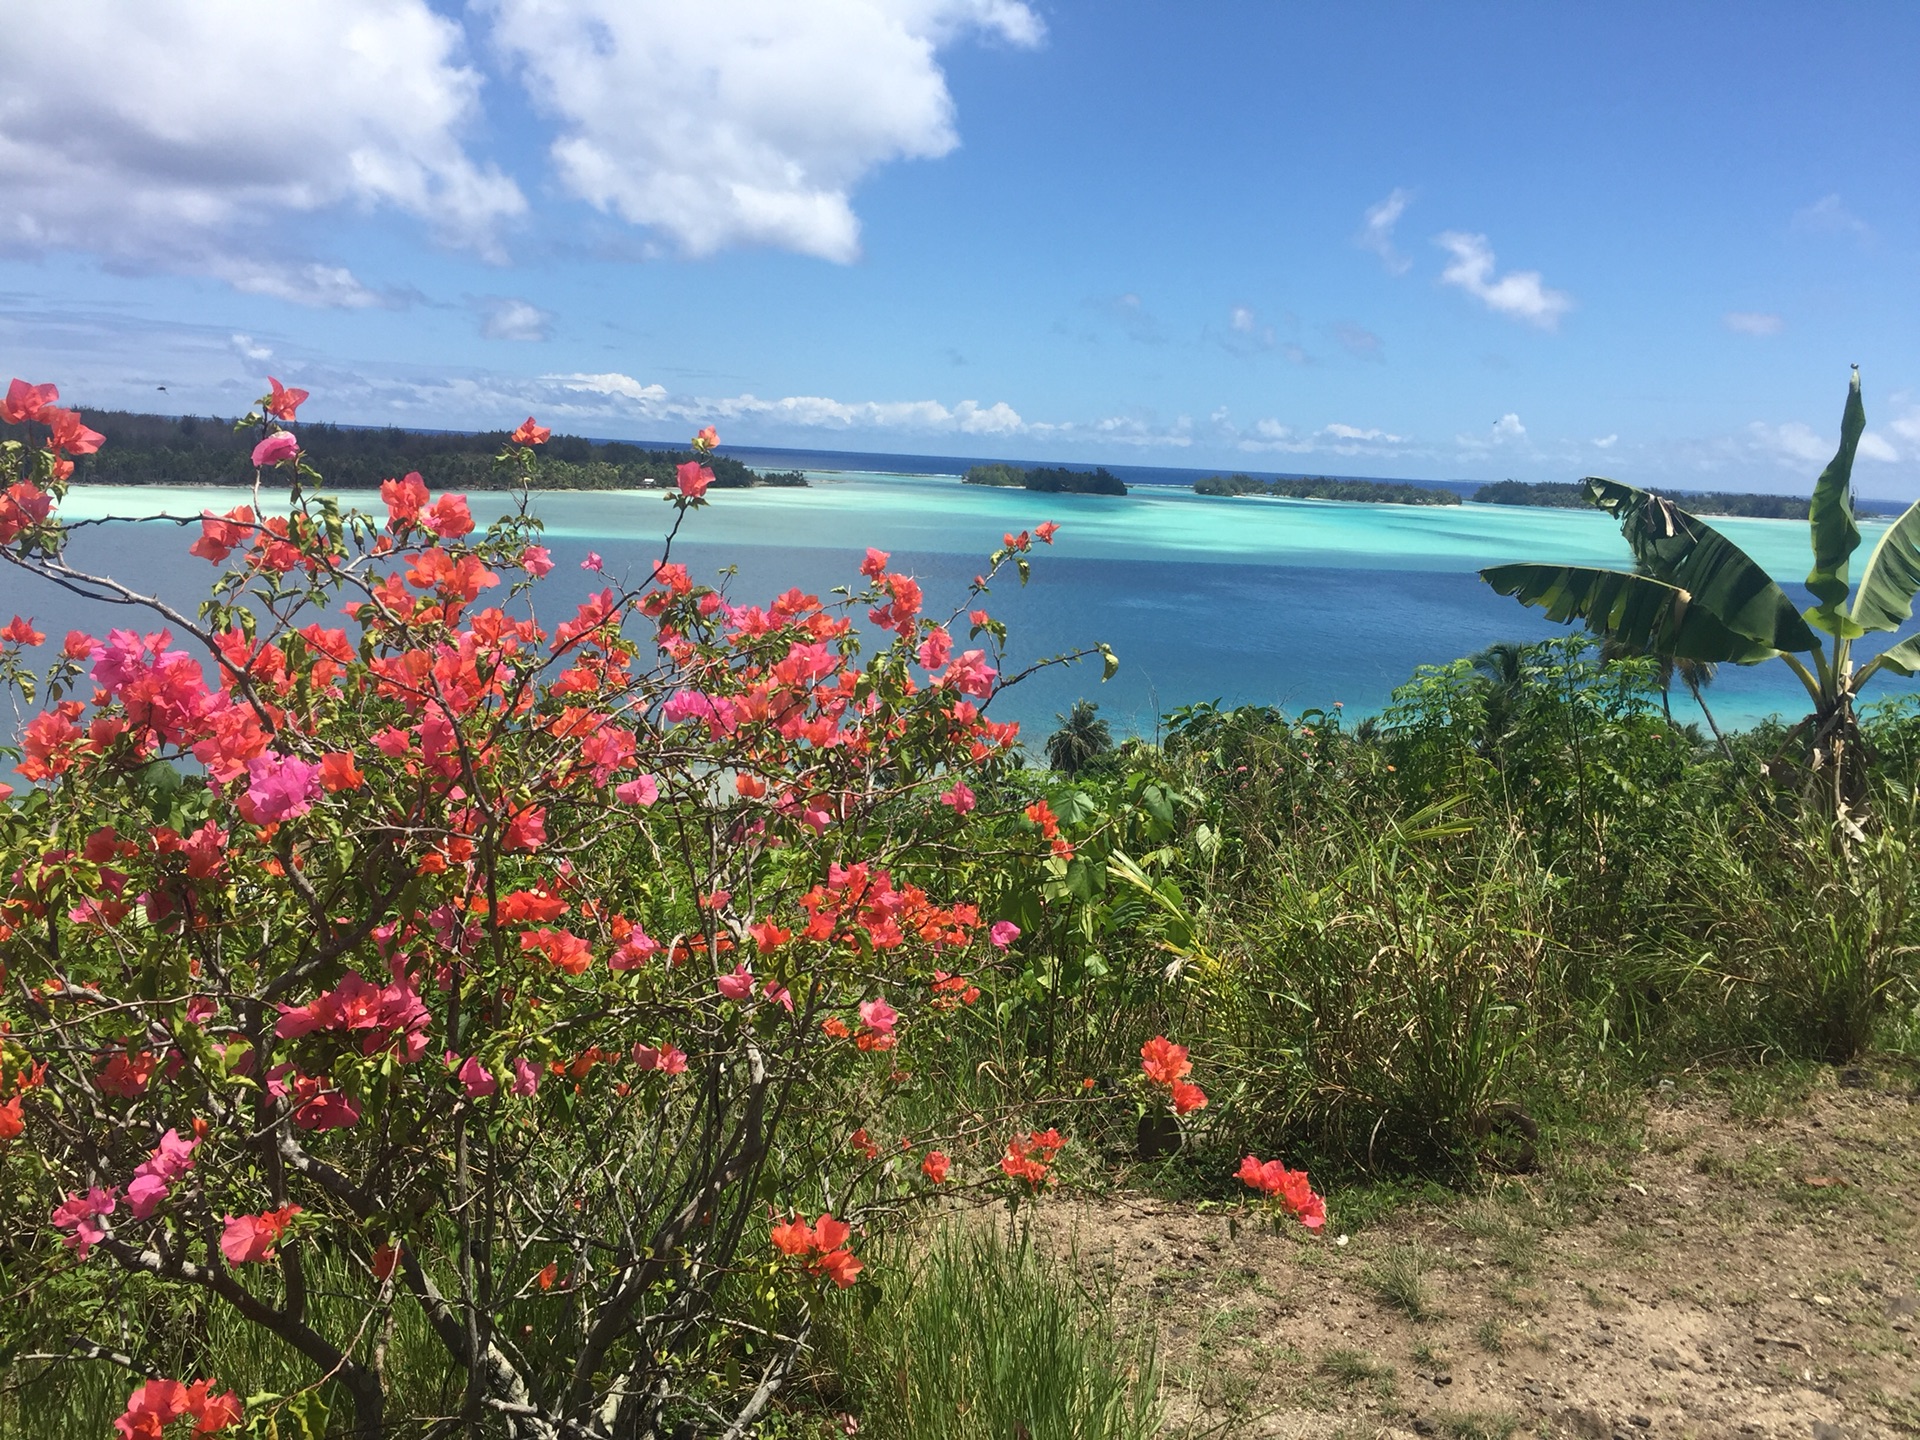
1519,294
1829,216
1376,231
1757,323
1357,340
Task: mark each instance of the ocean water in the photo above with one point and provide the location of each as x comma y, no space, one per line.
1246,601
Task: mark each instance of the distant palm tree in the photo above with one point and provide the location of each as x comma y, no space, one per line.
1082,737
1502,668
1696,675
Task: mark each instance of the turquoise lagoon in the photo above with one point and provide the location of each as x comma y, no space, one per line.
1248,601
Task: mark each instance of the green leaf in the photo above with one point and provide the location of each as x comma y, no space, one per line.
1650,614
1722,580
1830,518
1887,586
1903,658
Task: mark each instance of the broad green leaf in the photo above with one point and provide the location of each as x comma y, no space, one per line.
1904,657
1723,581
1887,586
1652,615
1830,518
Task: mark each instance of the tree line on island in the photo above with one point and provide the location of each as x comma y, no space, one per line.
195,450
1322,487
1049,479
1560,495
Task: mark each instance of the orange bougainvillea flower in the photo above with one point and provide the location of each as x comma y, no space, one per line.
547,1274
793,1237
284,400
530,433
24,402
935,1167
1289,1187
1163,1062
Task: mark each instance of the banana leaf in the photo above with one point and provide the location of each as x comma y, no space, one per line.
1649,614
1887,585
1830,518
1682,550
1904,657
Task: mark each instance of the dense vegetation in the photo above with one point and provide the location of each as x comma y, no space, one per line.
1050,479
1321,487
1562,495
543,1164
193,450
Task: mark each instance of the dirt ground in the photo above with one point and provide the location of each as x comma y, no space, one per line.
1728,1277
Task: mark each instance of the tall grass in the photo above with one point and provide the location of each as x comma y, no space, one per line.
980,1337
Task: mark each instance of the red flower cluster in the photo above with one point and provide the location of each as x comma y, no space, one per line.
158,1403
1030,1157
825,1241
1289,1187
248,1239
1166,1065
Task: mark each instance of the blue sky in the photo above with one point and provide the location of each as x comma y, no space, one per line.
1439,241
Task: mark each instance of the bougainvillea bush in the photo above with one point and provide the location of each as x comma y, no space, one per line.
379,945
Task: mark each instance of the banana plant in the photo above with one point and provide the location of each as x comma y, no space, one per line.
1698,596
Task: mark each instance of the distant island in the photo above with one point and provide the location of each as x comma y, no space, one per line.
1320,487
192,450
1558,495
1051,479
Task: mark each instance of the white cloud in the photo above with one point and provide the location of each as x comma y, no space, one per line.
1828,216
179,134
1350,432
653,402
1519,293
1242,319
1752,322
1907,427
743,121
505,318
1875,447
1606,443
246,348
1376,234
1792,442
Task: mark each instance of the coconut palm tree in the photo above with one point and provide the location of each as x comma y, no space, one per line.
1082,737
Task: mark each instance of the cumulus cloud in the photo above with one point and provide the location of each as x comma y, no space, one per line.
1606,442
1376,233
1508,427
1752,322
1876,447
187,130
1793,441
743,121
1520,294
506,318
245,347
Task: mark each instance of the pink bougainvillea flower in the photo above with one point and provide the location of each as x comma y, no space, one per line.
959,796
284,401
536,560
69,435
738,985
668,1059
530,433
158,1403
248,1239
693,479
275,449
878,1016
281,787
593,562
936,649
875,565
526,1078
1003,933
80,1215
476,1079
706,439
643,790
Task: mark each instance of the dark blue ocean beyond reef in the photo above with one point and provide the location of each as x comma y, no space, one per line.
1248,601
